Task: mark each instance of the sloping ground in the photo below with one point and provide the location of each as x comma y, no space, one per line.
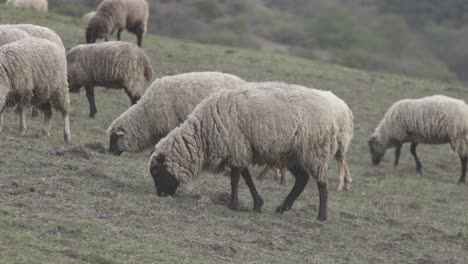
63,204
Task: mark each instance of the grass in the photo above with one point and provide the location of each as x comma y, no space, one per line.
64,204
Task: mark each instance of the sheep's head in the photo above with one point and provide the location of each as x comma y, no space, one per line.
377,150
97,29
117,140
165,183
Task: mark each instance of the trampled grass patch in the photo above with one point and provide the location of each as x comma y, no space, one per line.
77,203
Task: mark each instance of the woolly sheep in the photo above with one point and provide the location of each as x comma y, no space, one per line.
266,123
37,5
11,35
34,71
87,17
110,64
434,119
118,15
165,104
37,31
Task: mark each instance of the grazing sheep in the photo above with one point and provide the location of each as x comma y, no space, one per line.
37,5
34,71
110,64
165,104
266,123
37,31
434,119
87,17
118,15
11,35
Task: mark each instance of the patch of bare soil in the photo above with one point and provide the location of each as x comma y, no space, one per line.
97,147
71,152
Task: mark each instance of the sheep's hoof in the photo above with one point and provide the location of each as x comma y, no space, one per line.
258,206
282,208
462,181
233,206
45,133
22,132
339,188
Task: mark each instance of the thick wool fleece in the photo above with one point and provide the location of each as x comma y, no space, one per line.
111,64
37,5
166,104
434,119
11,35
37,31
33,71
265,123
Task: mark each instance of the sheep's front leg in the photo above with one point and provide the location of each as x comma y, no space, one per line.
92,104
397,155
257,200
119,31
139,34
463,161
302,177
235,175
416,159
47,110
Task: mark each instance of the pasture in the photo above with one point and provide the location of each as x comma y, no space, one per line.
79,204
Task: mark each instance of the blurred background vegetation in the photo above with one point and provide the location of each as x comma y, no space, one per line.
422,38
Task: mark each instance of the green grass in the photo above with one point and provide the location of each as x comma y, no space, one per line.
63,204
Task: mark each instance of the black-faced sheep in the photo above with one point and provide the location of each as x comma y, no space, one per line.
33,71
265,123
111,64
118,15
434,119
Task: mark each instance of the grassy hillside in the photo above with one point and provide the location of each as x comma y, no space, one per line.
63,204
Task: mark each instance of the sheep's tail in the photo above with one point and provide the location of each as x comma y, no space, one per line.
148,70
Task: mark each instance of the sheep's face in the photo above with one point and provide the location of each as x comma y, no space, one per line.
165,183
116,142
96,30
377,150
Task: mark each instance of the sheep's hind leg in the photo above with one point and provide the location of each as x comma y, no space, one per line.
283,176
119,31
22,114
257,200
463,161
323,197
416,159
302,177
92,104
47,110
139,34
235,175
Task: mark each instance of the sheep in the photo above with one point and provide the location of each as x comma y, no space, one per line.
37,31
436,119
87,17
264,123
118,15
37,5
11,35
34,71
165,104
110,64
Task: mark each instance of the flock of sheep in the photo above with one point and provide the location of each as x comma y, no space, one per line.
209,120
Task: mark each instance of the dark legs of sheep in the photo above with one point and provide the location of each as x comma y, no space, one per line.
397,155
323,197
257,200
415,155
92,104
119,31
302,178
235,175
463,161
139,34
